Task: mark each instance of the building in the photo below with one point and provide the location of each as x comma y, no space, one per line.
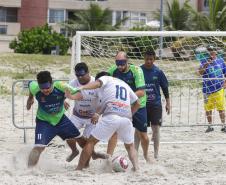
17,15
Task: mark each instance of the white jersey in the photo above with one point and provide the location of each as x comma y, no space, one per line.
116,97
86,107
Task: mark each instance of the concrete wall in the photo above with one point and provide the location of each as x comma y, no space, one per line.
12,28
10,3
4,43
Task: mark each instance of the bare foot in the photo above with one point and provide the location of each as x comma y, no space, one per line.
135,169
149,160
72,155
78,168
97,155
156,156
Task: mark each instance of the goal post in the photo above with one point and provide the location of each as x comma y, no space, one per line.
180,58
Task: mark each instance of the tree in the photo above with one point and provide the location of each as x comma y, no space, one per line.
40,40
215,20
176,17
93,19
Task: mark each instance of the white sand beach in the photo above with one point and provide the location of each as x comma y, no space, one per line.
178,163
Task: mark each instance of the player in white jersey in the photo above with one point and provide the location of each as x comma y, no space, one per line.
83,113
117,104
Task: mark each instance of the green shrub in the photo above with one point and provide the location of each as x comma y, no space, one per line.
40,40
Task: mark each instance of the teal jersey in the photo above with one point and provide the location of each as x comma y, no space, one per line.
134,77
51,107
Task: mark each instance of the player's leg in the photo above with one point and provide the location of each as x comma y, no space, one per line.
44,133
145,144
86,134
34,155
103,131
112,144
156,139
74,151
140,123
126,135
155,117
209,106
66,130
136,140
220,104
86,153
72,142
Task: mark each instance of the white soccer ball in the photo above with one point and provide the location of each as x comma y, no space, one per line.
119,164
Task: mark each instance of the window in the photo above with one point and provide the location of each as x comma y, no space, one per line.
3,29
206,5
8,14
56,16
133,18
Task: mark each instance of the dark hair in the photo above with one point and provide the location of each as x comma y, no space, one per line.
81,66
211,48
150,53
44,76
102,73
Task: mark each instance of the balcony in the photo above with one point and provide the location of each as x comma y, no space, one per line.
10,3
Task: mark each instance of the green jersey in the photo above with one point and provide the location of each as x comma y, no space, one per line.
134,77
51,107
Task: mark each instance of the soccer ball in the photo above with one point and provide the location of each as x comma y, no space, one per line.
119,164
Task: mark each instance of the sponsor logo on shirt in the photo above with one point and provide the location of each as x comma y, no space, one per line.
119,104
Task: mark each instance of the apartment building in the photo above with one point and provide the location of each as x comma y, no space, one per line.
16,15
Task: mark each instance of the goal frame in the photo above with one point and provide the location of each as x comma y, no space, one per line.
76,41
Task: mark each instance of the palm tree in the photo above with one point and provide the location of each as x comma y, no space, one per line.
93,19
215,20
176,17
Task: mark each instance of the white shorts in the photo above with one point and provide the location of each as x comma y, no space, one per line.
83,123
110,124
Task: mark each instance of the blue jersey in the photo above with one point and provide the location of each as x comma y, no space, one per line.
214,70
154,79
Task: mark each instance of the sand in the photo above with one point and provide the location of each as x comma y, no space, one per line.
177,164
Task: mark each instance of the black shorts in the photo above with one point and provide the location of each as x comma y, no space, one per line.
154,115
140,120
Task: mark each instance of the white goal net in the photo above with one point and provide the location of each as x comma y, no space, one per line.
179,55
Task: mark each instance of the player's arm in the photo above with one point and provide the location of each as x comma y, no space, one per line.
30,101
96,116
164,85
135,106
134,101
203,67
33,90
139,82
69,91
92,85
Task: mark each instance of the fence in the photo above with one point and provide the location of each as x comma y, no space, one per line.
187,105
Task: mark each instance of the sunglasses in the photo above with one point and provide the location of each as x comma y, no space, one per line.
120,62
45,86
80,74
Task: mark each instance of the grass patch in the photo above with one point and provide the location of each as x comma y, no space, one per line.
66,70
4,90
19,60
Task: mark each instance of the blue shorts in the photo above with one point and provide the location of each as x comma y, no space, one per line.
140,120
45,132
